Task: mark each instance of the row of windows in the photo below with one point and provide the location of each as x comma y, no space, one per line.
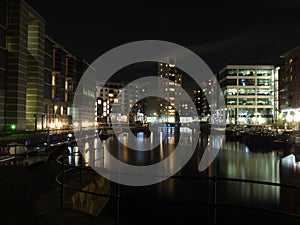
249,101
247,91
249,72
251,111
248,82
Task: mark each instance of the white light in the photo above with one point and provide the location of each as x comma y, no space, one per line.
52,125
297,117
289,118
260,120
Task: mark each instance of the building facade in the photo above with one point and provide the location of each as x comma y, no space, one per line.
201,104
3,61
289,89
25,65
38,77
250,92
169,91
120,102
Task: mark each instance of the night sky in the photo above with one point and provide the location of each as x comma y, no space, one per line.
220,33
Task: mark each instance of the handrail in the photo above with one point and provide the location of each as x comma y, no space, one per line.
214,204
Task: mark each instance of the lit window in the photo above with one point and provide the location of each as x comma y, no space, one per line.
53,80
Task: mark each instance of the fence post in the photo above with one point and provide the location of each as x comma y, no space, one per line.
62,182
214,203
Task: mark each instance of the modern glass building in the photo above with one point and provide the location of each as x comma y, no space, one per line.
251,93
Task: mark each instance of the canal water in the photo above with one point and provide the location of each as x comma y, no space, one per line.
185,197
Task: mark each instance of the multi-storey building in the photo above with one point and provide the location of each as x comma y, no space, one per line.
201,104
38,77
250,93
126,100
3,59
62,74
289,88
25,65
170,91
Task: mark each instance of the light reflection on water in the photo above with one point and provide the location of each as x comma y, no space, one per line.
234,160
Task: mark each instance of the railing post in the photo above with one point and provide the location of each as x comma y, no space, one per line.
214,201
15,160
62,182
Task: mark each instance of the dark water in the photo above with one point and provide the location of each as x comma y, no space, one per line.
188,196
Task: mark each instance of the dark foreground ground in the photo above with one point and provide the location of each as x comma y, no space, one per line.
31,196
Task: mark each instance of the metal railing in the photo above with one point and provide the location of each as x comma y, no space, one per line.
213,204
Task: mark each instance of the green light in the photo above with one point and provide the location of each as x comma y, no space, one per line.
13,126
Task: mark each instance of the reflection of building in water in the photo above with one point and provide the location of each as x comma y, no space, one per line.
236,161
169,91
290,174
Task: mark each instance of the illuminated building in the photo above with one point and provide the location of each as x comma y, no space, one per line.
289,89
201,104
3,55
185,112
200,100
37,75
62,74
169,91
126,100
25,65
251,93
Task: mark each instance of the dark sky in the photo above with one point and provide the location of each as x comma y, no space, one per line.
220,33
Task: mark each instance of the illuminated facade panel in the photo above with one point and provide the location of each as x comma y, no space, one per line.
251,93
